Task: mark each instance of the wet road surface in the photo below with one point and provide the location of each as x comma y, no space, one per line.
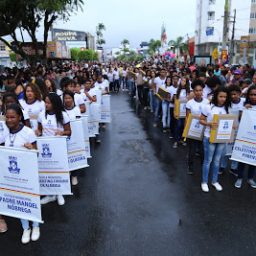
136,199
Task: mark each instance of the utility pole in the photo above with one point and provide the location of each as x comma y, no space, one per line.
225,28
232,43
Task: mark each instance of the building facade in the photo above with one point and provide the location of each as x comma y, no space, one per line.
210,19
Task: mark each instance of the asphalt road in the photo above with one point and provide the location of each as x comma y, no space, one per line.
136,199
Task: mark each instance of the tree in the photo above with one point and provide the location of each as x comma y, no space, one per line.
87,55
154,46
28,15
179,45
74,53
99,32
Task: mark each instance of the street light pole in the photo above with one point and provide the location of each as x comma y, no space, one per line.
226,25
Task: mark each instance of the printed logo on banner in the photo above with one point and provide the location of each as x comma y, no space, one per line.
197,125
225,126
13,165
46,151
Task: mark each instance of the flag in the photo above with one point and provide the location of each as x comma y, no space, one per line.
163,35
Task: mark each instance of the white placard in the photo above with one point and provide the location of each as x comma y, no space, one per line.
105,109
54,174
19,184
196,128
225,129
84,119
244,149
77,157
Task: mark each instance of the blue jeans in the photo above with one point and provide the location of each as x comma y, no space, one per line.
130,85
151,100
157,108
25,224
212,155
166,117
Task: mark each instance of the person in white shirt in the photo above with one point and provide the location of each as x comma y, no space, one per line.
53,122
70,85
236,108
182,94
194,107
73,114
33,103
159,81
20,136
250,103
110,75
11,98
213,151
116,80
173,91
101,85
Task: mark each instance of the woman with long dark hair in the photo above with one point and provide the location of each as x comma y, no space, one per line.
53,122
212,151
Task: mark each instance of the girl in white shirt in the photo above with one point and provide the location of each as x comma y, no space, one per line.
20,136
33,104
73,113
213,151
250,103
11,98
53,122
194,107
182,94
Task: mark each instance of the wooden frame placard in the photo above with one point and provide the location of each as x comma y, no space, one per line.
225,132
193,129
163,94
180,108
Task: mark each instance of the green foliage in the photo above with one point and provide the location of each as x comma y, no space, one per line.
75,53
13,57
179,44
99,32
29,15
87,55
154,46
130,57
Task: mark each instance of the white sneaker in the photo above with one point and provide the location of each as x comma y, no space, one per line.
217,186
35,233
74,181
26,236
204,187
60,200
47,199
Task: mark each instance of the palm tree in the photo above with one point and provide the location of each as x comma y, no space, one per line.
99,32
154,45
179,46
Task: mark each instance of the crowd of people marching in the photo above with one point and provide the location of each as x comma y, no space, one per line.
41,101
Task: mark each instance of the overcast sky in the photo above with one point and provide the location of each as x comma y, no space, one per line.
135,20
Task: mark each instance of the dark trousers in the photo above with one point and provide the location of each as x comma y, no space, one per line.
172,121
145,96
194,146
179,126
116,85
140,93
111,86
241,168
